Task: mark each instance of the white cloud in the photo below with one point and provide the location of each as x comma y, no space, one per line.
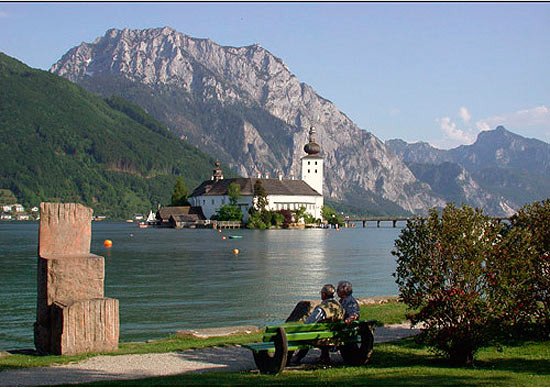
464,114
454,136
537,118
531,122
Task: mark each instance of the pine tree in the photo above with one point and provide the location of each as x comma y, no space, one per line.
179,195
260,196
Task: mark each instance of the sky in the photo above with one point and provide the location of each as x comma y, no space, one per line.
434,72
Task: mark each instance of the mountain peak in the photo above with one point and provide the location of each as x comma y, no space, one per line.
497,136
244,104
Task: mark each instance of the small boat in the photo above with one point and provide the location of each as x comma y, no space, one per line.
149,221
233,237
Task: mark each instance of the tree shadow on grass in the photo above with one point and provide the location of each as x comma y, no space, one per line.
407,353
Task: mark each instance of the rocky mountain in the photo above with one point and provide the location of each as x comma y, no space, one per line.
243,105
63,143
500,172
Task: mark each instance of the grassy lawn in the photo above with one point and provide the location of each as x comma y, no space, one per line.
402,363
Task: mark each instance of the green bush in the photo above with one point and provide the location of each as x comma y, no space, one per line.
331,216
473,280
520,277
442,272
255,221
229,212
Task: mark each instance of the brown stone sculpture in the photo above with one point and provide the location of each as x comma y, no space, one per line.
72,314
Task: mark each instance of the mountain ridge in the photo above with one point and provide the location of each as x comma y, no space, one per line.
246,87
63,143
244,105
503,169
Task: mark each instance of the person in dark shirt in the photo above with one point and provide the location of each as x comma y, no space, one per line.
348,302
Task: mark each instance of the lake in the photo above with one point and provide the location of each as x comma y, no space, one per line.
168,280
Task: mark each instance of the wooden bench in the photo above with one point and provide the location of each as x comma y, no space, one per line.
354,341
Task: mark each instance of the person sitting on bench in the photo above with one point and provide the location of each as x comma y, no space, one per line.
329,310
348,302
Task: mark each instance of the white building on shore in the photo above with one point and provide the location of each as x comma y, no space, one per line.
290,194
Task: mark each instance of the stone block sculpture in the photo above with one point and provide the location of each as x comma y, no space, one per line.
73,316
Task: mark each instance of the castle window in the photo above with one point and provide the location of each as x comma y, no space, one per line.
316,163
308,171
315,171
308,162
213,201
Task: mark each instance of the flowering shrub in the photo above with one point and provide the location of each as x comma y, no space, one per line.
442,273
474,280
287,217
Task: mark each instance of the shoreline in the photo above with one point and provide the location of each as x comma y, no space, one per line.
221,331
229,358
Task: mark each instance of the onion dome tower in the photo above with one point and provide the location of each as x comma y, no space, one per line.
312,163
217,173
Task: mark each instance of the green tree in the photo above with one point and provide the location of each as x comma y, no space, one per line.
255,221
179,194
520,273
442,272
330,215
7,197
260,196
229,212
234,193
302,215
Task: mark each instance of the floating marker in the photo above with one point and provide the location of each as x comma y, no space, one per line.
223,237
107,243
235,251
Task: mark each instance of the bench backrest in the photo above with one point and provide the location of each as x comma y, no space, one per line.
313,331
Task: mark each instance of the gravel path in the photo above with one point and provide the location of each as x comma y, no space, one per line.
135,366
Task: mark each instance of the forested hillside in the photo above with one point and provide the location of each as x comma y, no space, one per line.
62,143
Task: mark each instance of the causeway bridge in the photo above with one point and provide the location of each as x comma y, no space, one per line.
364,220
350,222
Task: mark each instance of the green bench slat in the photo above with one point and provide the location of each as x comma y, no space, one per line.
302,336
306,336
270,347
295,327
311,335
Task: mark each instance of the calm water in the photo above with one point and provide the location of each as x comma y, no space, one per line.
167,280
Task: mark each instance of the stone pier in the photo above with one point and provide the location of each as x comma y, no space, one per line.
72,316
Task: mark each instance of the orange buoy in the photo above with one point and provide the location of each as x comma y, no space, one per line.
107,243
235,251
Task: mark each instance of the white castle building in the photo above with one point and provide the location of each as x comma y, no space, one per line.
290,194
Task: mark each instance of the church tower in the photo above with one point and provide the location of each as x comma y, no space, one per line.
312,164
217,173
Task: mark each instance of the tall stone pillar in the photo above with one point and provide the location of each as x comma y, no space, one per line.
72,314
